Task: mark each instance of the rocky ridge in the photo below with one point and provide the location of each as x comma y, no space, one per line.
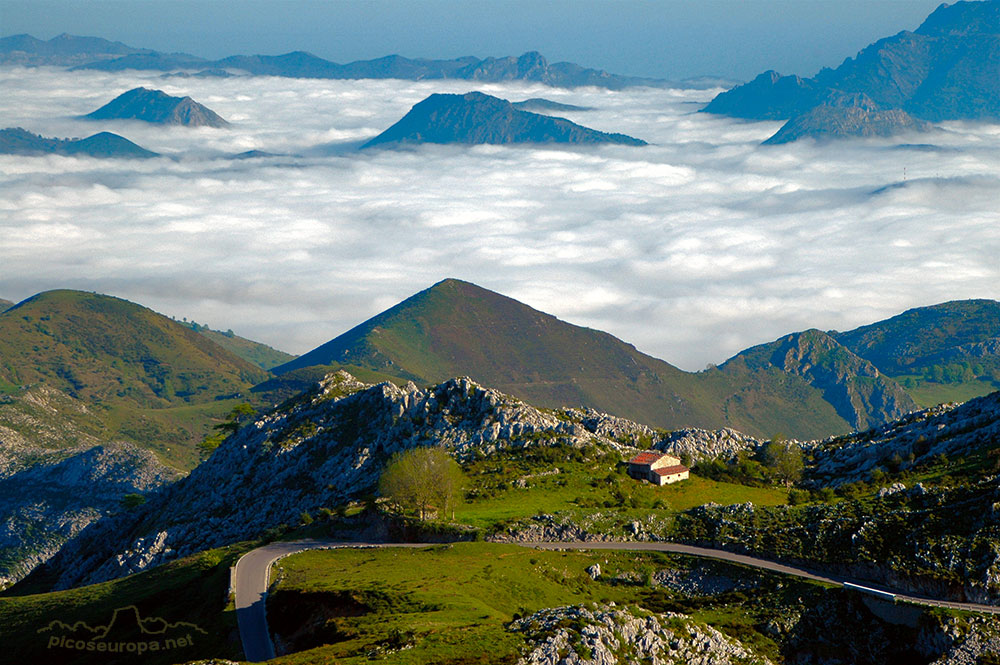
326,447
949,430
607,635
855,388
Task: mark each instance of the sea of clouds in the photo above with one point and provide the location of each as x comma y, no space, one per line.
692,248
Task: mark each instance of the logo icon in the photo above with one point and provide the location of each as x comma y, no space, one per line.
126,633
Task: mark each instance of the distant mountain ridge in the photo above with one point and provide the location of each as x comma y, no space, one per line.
945,70
64,49
18,141
475,118
103,55
157,107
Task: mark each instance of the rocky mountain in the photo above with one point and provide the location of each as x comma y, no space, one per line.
99,398
860,394
844,115
475,118
63,50
945,70
924,337
158,107
18,141
328,446
324,448
46,503
953,431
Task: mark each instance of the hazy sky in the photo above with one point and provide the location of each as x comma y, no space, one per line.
658,38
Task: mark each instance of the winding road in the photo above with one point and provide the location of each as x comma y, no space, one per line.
252,576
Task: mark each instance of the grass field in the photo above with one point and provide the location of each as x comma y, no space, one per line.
550,495
930,393
450,603
521,484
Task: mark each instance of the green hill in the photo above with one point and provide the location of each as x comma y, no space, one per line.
261,355
455,328
946,352
111,369
854,387
105,349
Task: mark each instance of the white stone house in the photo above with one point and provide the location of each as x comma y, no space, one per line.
658,468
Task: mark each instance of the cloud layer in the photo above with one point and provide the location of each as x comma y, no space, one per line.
692,248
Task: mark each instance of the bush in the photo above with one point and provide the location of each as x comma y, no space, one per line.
797,497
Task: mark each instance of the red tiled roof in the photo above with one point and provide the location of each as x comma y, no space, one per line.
670,470
647,457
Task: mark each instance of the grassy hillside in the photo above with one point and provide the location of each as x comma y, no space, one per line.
856,390
453,604
941,353
128,372
192,590
4,304
261,355
459,329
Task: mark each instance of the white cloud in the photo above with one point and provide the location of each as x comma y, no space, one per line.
692,248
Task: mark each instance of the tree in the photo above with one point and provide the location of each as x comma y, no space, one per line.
240,414
784,459
422,478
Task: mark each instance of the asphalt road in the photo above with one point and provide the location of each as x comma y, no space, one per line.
252,577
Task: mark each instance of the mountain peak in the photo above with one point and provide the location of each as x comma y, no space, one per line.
477,118
963,18
158,107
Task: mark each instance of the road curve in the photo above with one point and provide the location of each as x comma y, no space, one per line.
252,576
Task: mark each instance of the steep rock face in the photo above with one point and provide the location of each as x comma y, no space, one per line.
158,107
608,635
326,448
46,504
475,118
860,394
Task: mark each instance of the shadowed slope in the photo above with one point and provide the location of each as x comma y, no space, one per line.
478,118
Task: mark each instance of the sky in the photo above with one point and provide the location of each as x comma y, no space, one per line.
692,248
672,39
